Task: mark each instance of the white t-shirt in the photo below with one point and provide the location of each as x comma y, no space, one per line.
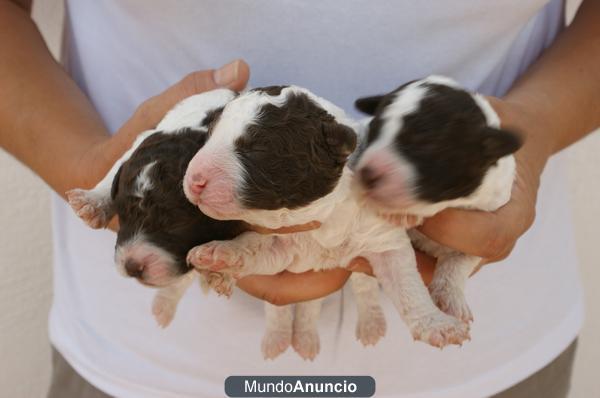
527,309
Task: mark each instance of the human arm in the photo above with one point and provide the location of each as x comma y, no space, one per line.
48,124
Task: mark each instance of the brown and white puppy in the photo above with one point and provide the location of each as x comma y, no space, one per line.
157,225
278,157
432,145
280,176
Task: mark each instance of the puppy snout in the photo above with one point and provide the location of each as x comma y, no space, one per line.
134,268
370,177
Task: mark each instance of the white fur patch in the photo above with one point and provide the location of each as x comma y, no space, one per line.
143,183
191,111
159,266
490,115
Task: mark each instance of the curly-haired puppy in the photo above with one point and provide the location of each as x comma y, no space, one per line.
432,145
157,225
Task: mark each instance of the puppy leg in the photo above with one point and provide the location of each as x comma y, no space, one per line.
166,299
305,339
278,334
448,284
249,253
397,272
94,206
371,325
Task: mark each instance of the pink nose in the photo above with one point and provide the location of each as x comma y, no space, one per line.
134,268
370,177
197,184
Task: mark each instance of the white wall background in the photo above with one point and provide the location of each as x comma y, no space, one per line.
25,259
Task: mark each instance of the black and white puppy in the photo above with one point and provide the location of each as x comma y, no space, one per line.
157,225
432,145
278,157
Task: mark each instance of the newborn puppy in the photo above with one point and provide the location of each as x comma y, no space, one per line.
291,152
278,157
157,225
432,145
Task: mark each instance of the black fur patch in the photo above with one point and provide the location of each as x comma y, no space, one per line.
375,105
271,90
448,142
292,155
211,118
163,215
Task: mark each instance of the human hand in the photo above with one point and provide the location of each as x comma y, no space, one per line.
288,287
493,235
96,162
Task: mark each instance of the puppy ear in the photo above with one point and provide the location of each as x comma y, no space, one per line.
498,143
340,138
368,105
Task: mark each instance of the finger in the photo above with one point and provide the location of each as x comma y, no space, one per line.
309,226
473,232
360,264
288,287
425,264
234,76
459,229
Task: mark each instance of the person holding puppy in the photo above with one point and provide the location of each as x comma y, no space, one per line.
121,54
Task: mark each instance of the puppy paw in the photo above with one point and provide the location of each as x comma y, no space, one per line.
215,256
440,330
371,327
221,283
451,300
91,207
306,343
163,310
275,342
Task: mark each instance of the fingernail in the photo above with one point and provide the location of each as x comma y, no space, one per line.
227,74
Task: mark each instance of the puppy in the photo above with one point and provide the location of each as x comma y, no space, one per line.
157,225
278,157
432,145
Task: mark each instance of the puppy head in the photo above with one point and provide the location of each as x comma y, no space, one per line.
429,141
158,226
272,151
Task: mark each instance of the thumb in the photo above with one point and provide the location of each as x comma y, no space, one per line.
233,75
